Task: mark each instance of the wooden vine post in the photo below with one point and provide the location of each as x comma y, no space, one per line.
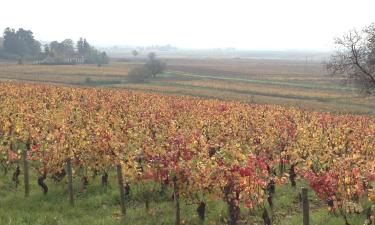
305,206
26,171
120,180
176,197
70,181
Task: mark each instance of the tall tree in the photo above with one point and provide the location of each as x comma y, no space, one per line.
83,47
11,42
32,46
355,58
61,50
86,47
47,51
20,42
67,46
80,46
55,47
154,65
104,58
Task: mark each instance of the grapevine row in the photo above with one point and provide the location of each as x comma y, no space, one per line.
202,149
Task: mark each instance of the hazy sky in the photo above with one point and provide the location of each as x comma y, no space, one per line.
252,24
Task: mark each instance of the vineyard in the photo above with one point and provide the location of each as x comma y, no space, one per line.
198,150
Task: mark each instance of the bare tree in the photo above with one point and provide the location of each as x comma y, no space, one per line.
355,58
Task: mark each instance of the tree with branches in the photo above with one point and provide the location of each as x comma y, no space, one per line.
354,58
154,65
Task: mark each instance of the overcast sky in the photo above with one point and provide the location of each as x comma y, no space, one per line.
251,24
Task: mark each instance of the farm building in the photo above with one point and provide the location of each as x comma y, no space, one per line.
71,59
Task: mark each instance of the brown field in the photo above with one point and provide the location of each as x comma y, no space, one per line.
295,83
65,74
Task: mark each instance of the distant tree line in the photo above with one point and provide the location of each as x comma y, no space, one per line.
20,44
160,48
60,52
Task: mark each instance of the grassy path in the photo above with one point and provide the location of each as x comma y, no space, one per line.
268,82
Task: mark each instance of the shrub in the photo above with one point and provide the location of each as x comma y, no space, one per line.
139,75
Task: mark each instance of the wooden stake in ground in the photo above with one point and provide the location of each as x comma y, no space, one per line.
176,196
122,191
70,181
305,206
26,172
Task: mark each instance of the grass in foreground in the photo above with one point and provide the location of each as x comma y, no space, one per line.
100,206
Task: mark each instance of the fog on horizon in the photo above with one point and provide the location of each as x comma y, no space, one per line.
270,24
